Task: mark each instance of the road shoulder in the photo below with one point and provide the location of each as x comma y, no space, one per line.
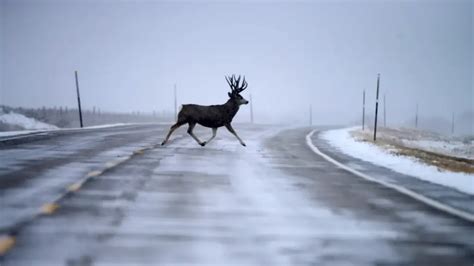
450,197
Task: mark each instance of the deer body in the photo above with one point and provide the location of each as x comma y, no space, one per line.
212,116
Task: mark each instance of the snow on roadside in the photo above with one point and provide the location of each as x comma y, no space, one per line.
24,132
450,148
342,140
24,122
460,147
18,133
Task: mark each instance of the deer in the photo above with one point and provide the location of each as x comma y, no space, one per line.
213,116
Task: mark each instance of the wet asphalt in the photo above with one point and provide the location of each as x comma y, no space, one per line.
273,202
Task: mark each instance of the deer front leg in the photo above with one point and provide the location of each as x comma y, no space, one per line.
190,132
214,131
231,130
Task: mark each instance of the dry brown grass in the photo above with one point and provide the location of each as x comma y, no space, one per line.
444,162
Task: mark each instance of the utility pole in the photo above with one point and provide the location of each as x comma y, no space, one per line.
310,115
251,109
363,110
376,107
384,112
416,116
175,104
78,99
452,125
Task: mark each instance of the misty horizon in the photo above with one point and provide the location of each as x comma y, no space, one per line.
129,55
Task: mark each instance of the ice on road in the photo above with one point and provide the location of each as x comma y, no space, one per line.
233,209
273,202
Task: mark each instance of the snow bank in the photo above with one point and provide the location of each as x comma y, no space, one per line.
424,140
23,132
450,147
18,133
23,121
342,140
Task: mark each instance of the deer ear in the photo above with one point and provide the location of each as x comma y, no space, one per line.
230,94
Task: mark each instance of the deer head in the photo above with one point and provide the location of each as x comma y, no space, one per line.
236,88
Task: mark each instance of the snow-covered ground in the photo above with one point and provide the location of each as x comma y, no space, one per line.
454,148
24,122
31,125
18,133
461,147
342,140
24,132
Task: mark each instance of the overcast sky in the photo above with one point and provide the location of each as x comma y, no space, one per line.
130,53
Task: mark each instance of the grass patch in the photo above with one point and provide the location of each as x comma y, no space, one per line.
441,161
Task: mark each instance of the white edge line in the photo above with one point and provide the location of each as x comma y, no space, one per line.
410,193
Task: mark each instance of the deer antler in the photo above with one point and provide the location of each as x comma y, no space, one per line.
235,85
244,85
230,82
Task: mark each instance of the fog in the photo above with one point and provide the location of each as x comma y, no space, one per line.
129,55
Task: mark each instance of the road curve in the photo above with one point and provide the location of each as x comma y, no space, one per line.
273,202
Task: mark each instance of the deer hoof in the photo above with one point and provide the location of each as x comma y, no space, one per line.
163,143
202,143
243,144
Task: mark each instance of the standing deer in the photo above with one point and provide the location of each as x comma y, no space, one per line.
213,116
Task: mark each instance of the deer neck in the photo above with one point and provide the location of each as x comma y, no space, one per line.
231,107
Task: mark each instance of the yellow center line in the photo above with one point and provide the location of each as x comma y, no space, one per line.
49,208
111,164
94,173
74,187
6,243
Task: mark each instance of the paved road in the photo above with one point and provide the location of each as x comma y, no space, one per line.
271,203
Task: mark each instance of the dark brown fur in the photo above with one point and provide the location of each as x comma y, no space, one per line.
212,116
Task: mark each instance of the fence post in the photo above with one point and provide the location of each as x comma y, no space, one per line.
416,116
452,125
376,107
78,99
363,110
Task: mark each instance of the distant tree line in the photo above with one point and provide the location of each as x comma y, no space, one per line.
65,117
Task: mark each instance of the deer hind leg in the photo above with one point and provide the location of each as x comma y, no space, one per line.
190,132
231,130
214,131
172,129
